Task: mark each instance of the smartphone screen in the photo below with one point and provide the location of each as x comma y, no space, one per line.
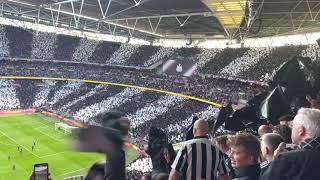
41,171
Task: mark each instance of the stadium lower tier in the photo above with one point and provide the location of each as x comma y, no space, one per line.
82,101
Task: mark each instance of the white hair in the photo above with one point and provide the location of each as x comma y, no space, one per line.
310,120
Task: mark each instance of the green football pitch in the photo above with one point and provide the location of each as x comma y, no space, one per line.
53,147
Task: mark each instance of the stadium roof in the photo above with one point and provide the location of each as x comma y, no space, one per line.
149,19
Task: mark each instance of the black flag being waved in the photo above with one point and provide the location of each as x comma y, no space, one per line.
296,76
275,106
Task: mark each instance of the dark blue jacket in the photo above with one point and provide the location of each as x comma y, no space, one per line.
247,173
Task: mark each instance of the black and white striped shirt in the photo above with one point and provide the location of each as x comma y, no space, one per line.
199,159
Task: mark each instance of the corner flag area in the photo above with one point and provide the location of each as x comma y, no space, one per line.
29,139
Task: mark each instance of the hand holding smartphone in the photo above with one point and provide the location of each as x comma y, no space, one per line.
41,171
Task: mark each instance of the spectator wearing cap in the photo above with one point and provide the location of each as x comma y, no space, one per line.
269,143
303,163
245,153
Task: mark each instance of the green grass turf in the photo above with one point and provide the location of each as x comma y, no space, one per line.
52,147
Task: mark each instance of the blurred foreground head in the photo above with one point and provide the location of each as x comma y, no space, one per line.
107,138
96,171
114,120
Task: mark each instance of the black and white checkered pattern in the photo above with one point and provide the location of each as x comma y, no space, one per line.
199,159
312,144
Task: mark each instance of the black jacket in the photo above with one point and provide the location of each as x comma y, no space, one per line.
301,164
247,173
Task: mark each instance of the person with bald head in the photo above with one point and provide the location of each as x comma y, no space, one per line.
198,158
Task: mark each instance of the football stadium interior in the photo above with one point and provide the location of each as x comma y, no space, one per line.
237,64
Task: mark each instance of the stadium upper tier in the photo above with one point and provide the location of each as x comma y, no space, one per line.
248,63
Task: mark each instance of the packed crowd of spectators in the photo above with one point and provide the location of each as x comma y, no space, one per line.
41,96
161,54
95,96
71,102
185,52
205,56
64,91
143,99
192,86
4,48
65,46
121,56
289,150
222,76
177,113
83,101
142,55
107,104
75,95
181,125
43,45
153,110
134,175
263,70
252,63
19,41
143,165
312,51
243,63
221,60
85,50
103,52
8,95
26,91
